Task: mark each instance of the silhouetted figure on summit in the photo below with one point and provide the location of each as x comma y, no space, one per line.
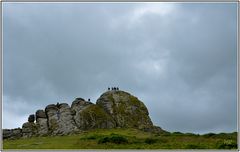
89,99
108,88
114,88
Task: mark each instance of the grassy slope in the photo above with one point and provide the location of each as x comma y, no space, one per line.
135,140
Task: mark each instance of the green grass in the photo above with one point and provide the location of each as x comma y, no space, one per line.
126,139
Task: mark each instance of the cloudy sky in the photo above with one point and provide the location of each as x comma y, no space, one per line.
178,58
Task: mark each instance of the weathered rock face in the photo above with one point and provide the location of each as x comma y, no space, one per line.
7,133
60,119
40,114
89,116
125,109
12,133
41,123
93,116
42,126
29,129
79,104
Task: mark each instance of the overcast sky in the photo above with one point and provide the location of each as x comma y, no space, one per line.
178,58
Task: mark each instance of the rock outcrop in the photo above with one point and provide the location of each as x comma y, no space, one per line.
12,133
114,109
125,109
60,119
29,129
89,116
93,117
41,123
31,118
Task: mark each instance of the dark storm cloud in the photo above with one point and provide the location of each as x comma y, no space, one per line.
180,59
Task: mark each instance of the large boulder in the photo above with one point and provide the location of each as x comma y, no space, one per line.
126,110
60,119
93,116
42,126
41,123
40,114
29,129
79,104
31,118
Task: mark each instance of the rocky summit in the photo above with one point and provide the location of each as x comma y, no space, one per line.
113,109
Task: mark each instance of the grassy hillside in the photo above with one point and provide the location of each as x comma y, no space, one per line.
126,139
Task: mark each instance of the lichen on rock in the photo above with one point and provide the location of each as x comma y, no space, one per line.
125,109
60,119
29,129
41,123
93,117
